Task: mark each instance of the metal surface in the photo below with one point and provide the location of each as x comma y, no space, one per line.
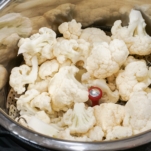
9,107
4,3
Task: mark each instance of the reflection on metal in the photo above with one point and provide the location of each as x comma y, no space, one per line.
4,3
148,60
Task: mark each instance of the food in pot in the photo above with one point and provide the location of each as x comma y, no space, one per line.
58,74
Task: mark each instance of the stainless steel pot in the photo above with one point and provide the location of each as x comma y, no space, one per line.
90,13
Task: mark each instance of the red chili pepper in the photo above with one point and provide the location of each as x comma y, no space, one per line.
95,95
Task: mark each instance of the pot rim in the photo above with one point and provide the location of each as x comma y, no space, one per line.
59,144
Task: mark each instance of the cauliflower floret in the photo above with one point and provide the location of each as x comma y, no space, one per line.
42,102
34,103
23,102
129,60
64,89
106,59
79,119
40,44
73,50
48,69
135,77
135,36
93,35
95,134
39,85
109,115
66,49
67,136
20,76
138,112
28,57
84,49
70,30
119,132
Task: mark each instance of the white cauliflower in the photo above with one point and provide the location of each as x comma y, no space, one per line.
138,112
109,115
70,30
135,77
79,119
40,44
48,69
93,35
106,59
129,60
39,85
73,50
22,75
34,103
135,36
23,102
119,132
95,134
66,49
65,90
67,136
42,102
84,50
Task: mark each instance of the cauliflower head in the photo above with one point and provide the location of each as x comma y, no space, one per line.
42,102
65,90
70,30
109,115
65,134
93,35
48,69
96,133
39,85
39,44
106,59
138,112
134,35
135,77
66,49
23,102
79,119
119,132
22,75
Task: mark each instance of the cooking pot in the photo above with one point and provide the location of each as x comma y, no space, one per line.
51,13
